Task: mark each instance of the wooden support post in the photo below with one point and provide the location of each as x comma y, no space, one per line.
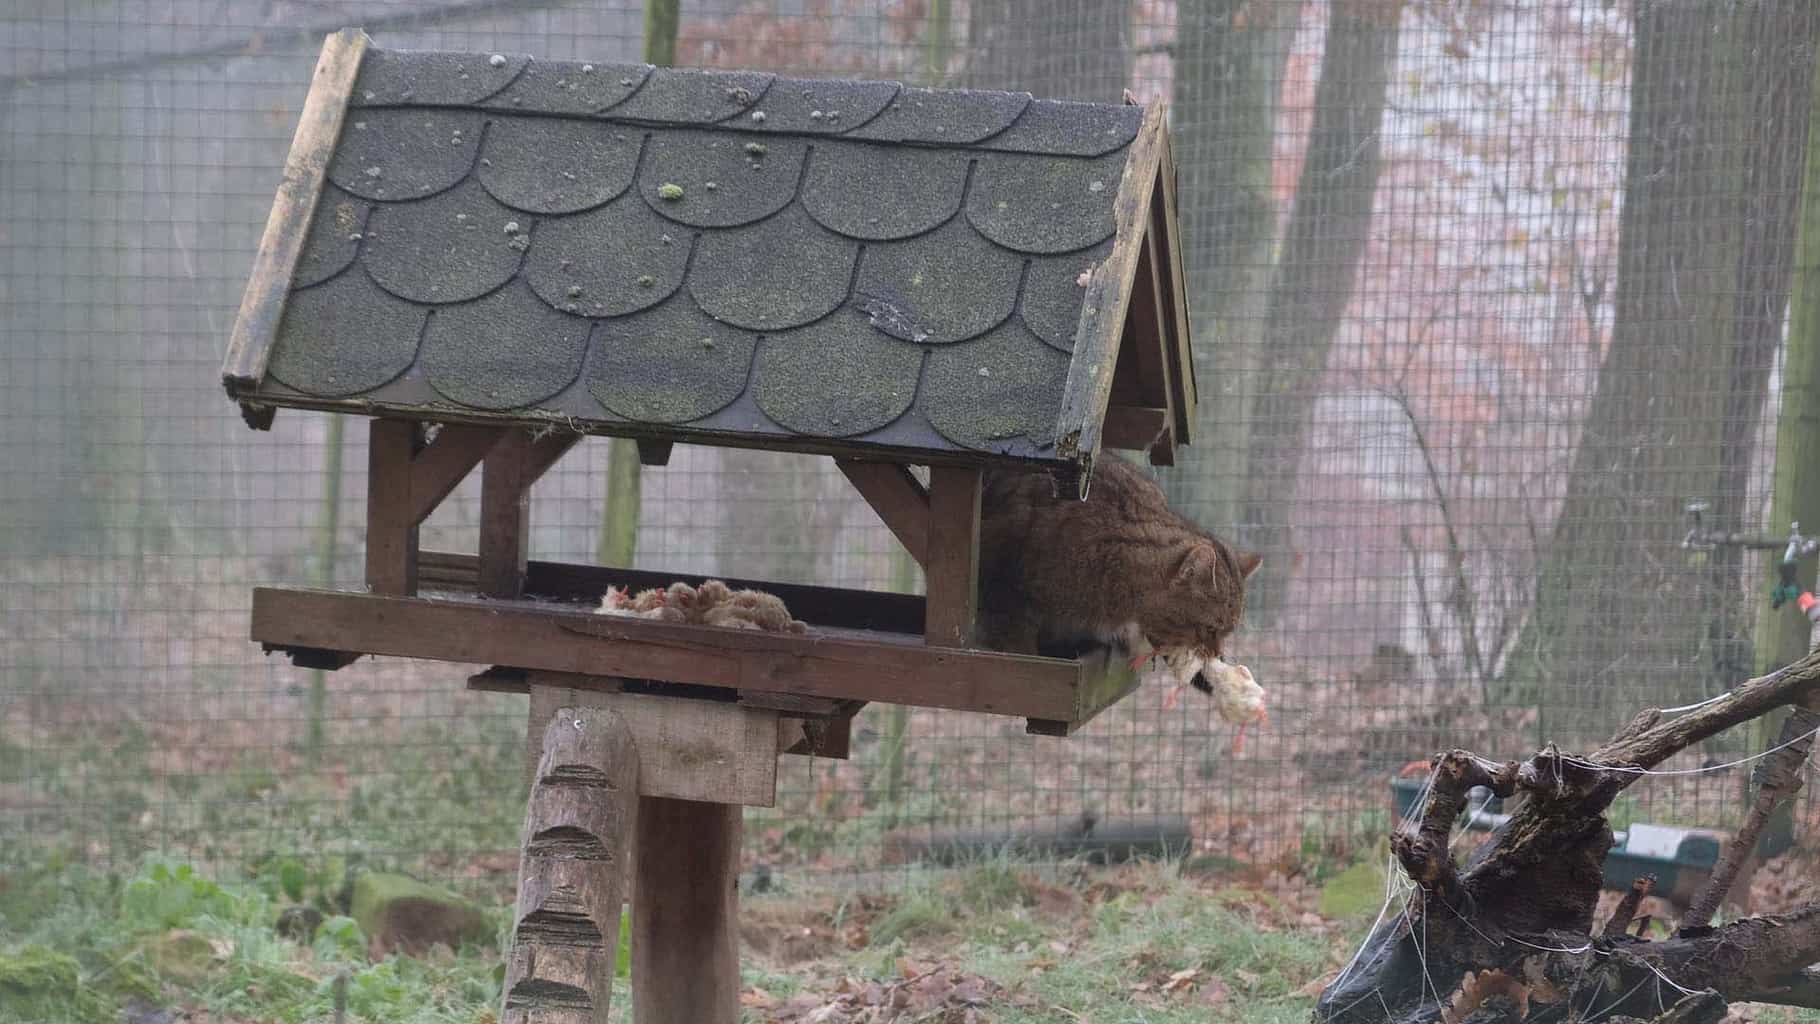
685,913
505,516
952,568
565,934
511,467
391,519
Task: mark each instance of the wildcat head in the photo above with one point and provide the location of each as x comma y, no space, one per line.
1203,600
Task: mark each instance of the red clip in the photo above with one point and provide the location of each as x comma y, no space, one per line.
1806,602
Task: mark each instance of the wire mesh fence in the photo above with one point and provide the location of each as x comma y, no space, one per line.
1484,296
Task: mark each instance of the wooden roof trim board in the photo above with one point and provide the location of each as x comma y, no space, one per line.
1103,317
347,312
305,169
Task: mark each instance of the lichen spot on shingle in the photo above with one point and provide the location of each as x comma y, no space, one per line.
458,246
594,263
781,272
505,351
404,153
557,165
1045,204
722,185
344,337
994,389
945,286
836,377
672,364
877,193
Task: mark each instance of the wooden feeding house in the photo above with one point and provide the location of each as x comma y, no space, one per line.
492,257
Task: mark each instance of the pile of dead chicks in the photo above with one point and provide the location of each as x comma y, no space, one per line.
711,604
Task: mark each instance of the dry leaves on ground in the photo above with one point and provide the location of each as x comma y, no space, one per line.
939,994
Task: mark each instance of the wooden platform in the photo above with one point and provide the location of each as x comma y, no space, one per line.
860,645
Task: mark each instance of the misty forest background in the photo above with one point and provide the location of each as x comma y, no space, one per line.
1484,293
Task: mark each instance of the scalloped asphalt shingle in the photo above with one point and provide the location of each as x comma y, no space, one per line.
731,252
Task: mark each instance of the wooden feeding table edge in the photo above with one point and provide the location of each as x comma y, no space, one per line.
836,660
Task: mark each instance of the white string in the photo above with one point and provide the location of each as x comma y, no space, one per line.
1693,707
1690,771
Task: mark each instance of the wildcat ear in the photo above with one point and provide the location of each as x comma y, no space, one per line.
1201,562
1248,563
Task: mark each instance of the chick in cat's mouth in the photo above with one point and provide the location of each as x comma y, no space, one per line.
1236,695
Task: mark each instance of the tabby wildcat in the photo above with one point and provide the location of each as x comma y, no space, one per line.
1060,576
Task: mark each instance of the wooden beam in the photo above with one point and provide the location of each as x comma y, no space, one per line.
1134,428
546,450
685,913
714,751
572,869
952,569
891,668
513,464
829,719
1165,218
654,453
1106,679
445,462
585,584
391,517
1109,289
898,497
305,169
1148,333
505,516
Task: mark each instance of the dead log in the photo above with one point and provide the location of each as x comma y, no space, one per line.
1510,935
1100,842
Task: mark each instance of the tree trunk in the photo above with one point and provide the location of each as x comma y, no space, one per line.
1782,634
618,544
1228,81
1616,602
1313,279
1511,936
1080,50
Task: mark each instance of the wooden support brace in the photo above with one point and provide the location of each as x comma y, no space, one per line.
445,462
952,566
898,498
572,871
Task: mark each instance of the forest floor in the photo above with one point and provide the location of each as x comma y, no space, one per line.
993,942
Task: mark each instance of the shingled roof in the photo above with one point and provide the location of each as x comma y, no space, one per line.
721,257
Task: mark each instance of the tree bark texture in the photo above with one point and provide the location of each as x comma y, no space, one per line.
1311,285
1230,57
1080,50
1513,930
1718,101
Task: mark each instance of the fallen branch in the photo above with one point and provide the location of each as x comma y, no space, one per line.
1512,933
